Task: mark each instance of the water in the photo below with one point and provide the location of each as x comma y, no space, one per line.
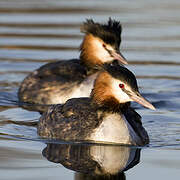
33,33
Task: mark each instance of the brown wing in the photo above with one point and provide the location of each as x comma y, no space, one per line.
69,121
70,69
51,79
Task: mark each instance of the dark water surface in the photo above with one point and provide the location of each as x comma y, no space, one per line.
35,32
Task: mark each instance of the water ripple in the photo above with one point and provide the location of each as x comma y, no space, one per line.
36,32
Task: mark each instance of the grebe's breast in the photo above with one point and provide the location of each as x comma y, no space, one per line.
114,128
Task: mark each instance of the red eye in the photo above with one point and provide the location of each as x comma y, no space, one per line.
104,45
121,85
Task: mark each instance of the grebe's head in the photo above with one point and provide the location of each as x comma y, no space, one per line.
101,43
117,85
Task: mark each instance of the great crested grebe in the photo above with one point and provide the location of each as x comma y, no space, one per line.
104,117
56,82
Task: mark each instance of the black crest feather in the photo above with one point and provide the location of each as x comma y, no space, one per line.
109,32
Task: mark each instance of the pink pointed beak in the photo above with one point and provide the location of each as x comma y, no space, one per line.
118,56
139,99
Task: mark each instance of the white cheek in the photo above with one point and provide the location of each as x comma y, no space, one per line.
103,55
119,93
100,51
121,96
